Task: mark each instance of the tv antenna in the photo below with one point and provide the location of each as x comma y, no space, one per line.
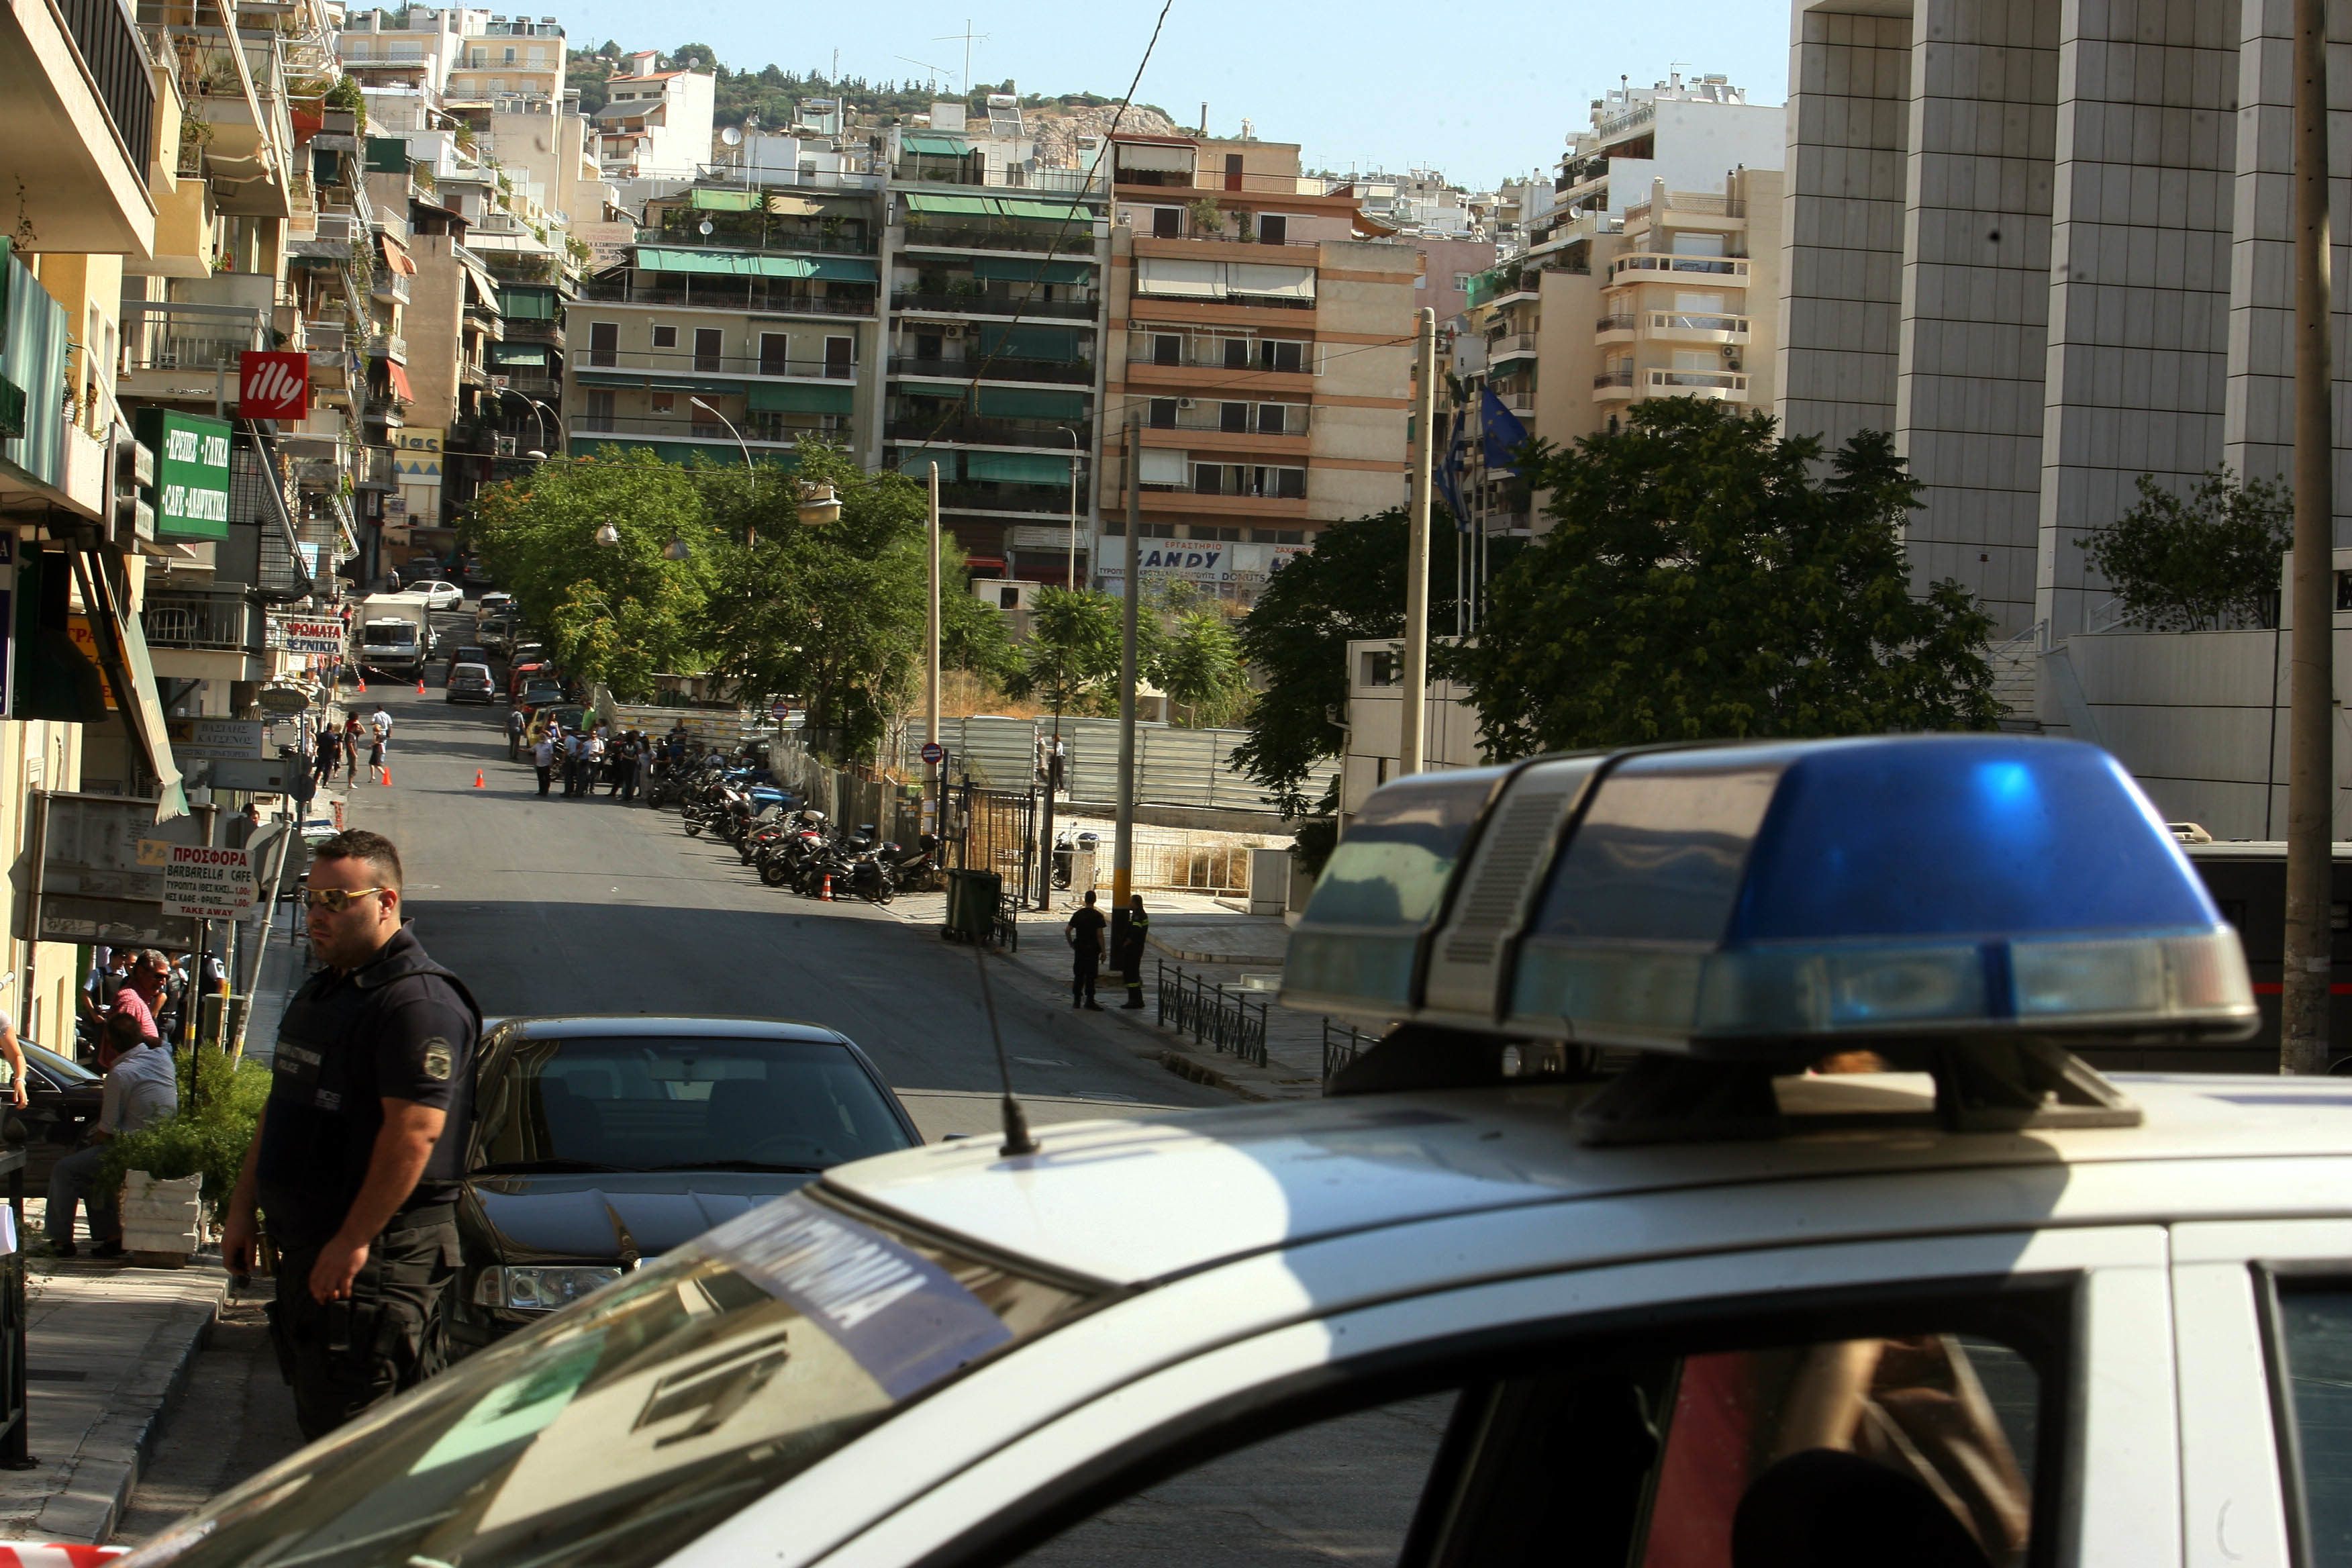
936,72
969,37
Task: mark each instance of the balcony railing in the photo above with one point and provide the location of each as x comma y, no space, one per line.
1210,182
1064,373
1077,240
1510,344
686,362
1616,323
1609,378
541,387
198,621
388,345
1255,483
990,497
1211,416
116,57
756,432
992,304
1727,385
1720,266
745,234
726,293
1687,321
1043,432
924,168
391,287
1143,354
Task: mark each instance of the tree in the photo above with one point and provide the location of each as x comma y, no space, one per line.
2199,561
617,614
1351,586
1070,662
1200,667
1702,581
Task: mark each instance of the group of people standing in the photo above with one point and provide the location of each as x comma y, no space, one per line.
340,746
588,756
126,993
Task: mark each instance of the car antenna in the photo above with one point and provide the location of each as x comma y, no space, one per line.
1016,1126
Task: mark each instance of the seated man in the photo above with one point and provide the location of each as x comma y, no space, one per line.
142,1089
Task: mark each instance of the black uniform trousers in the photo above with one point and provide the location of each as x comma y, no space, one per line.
341,1357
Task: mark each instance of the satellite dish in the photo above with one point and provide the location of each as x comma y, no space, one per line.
731,137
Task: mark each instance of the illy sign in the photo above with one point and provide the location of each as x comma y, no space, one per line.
273,385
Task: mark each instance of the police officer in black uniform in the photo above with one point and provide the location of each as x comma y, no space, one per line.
356,1163
1131,930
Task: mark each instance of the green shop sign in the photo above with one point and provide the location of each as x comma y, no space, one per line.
191,492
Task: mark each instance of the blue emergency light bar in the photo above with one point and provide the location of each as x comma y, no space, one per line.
1743,900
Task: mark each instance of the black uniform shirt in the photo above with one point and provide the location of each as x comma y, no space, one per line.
399,1027
1086,926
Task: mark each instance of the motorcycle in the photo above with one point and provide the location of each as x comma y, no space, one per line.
915,869
1066,850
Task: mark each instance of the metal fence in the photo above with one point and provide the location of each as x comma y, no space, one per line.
1225,1020
993,830
847,797
1342,1044
1173,766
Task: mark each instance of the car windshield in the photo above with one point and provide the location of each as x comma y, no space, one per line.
635,1104
66,1072
618,1431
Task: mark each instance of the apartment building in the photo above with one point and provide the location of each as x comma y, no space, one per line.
1266,339
1684,133
656,124
740,322
410,50
502,59
996,263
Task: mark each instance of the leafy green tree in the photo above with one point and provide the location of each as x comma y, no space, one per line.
618,613
1200,667
1070,662
1703,580
2199,562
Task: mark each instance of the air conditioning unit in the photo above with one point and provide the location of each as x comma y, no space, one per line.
1187,402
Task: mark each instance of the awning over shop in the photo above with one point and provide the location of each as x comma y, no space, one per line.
398,374
1059,343
966,207
726,201
397,256
1028,403
122,655
937,146
770,398
1017,468
1021,270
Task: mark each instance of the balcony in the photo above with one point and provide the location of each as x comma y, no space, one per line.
1686,326
1614,384
1509,346
218,622
539,388
596,428
1714,387
939,169
981,367
744,231
992,304
532,330
751,295
1045,435
1653,261
391,288
75,184
1616,329
678,363
1005,235
1028,500
388,345
1210,415
377,471
1175,184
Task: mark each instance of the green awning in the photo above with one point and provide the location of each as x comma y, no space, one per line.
1020,269
968,206
1052,212
726,201
505,354
1025,403
1030,342
609,378
388,155
673,381
1018,468
527,304
769,398
916,463
846,269
735,263
937,146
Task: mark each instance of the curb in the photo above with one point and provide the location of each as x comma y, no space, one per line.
99,1476
1230,959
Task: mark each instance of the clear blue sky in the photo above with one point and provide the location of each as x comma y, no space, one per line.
1480,92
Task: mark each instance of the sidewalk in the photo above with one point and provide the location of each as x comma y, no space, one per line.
107,1347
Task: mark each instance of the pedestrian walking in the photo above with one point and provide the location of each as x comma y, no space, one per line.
142,1089
361,1146
542,758
1130,929
329,756
354,739
1084,931
573,741
514,733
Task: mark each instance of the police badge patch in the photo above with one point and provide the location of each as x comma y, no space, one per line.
437,1059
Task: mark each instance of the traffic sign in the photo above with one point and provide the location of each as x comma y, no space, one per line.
934,753
781,712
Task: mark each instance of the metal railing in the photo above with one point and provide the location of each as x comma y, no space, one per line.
1143,352
726,293
388,345
1225,237
1510,344
1225,1021
1182,187
588,427
1697,322
534,330
1245,481
1295,417
939,169
1729,384
1721,266
744,234
1342,1044
1616,323
391,286
1003,367
116,57
1609,378
1006,235
992,304
197,621
1054,499
989,431
687,362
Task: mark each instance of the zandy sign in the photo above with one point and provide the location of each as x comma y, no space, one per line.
191,492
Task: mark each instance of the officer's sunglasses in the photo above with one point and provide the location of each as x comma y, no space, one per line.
336,900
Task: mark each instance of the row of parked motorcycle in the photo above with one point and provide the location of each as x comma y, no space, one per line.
789,844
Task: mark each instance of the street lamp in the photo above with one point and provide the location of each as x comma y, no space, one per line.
675,548
750,471
1071,578
534,406
606,534
818,503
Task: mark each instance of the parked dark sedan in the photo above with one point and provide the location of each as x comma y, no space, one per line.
600,1142
61,1099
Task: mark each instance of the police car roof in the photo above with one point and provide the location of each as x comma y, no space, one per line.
1130,1202
611,1026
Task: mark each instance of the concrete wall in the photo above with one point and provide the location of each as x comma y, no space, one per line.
1375,716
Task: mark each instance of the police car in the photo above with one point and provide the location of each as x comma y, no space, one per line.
1727,1191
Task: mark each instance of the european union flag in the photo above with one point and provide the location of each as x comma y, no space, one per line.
1504,434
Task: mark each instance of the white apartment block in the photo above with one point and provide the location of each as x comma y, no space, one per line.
1681,134
657,123
2047,246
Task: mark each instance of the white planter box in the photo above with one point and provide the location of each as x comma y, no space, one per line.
161,1216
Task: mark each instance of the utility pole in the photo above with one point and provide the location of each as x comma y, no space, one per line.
933,786
2303,1002
1122,843
1411,743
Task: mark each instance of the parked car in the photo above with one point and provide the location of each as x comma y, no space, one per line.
465,653
497,634
496,603
469,683
599,1143
438,594
520,671
473,573
62,1103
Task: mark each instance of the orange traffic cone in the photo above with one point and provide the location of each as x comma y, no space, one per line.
826,897
478,780
420,686
384,774
363,686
